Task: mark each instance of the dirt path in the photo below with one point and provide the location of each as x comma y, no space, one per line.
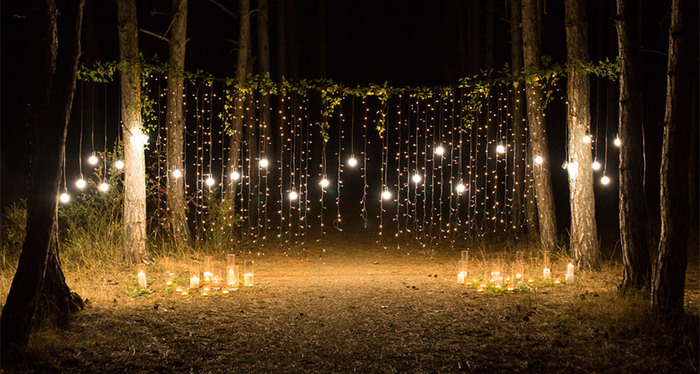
365,311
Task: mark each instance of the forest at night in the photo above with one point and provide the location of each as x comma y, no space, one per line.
349,186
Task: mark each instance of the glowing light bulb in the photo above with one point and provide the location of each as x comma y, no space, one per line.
264,163
93,159
324,182
177,173
352,162
501,149
595,165
573,168
80,183
210,181
235,175
386,195
104,187
139,138
439,150
586,139
293,195
65,197
605,180
416,178
461,188
539,160
119,164
617,141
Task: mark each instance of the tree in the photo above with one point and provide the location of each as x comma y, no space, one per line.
39,291
134,137
536,126
584,234
669,276
520,197
237,124
175,123
636,255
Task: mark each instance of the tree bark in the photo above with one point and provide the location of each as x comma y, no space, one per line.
537,129
669,276
635,241
175,124
134,158
239,104
39,291
584,234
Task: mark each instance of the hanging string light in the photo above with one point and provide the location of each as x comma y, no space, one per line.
64,197
93,160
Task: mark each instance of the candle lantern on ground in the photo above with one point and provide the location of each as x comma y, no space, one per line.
496,271
463,267
249,273
208,272
216,280
570,272
519,268
546,270
141,275
231,272
169,272
194,277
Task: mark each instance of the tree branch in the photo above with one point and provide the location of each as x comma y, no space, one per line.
226,10
154,35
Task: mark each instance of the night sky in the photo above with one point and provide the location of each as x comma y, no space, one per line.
367,41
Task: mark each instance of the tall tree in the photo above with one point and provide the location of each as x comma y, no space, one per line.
134,137
584,234
636,255
234,164
39,288
669,275
536,127
175,124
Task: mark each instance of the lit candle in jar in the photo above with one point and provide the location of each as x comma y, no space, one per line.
546,273
518,277
460,277
570,273
207,275
231,278
142,279
224,292
248,280
194,281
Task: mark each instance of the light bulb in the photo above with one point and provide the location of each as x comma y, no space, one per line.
595,165
119,164
139,138
80,183
324,183
586,139
539,160
461,187
210,181
104,187
235,175
565,164
293,195
617,141
605,180
177,173
93,159
264,163
440,150
65,197
416,178
352,162
386,195
501,149
573,168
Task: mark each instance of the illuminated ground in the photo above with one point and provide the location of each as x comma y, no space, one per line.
365,309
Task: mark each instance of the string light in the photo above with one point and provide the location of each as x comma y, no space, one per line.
93,160
617,141
416,178
440,150
587,139
573,168
264,163
104,187
65,197
501,149
352,161
235,175
460,187
539,160
177,173
293,195
119,164
324,182
595,165
386,195
80,183
210,181
605,180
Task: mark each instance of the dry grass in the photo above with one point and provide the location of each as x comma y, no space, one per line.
363,308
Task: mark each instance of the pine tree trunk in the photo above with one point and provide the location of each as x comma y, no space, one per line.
669,276
537,129
134,157
635,242
519,119
584,234
39,291
175,124
239,104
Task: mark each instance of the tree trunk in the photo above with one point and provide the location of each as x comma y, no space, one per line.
239,104
175,123
39,291
634,239
669,276
264,61
490,34
584,234
537,129
519,118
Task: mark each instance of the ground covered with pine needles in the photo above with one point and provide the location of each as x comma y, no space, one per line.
359,307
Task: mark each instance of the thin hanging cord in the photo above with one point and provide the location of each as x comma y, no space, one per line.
92,120
80,142
104,156
607,119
